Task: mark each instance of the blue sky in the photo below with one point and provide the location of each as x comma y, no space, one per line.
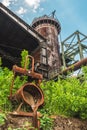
72,14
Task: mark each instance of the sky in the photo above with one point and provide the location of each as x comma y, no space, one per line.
72,14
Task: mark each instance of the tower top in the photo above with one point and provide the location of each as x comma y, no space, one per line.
51,19
53,14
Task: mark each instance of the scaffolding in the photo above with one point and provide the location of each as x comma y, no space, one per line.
73,49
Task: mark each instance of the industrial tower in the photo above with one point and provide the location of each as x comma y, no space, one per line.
49,27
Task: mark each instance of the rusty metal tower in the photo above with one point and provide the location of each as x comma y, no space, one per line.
73,49
49,27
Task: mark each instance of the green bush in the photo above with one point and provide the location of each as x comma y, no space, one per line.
5,82
66,97
24,53
6,77
46,123
2,119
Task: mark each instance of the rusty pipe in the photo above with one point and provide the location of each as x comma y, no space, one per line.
31,95
75,66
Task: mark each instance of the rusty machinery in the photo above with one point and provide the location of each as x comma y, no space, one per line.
29,93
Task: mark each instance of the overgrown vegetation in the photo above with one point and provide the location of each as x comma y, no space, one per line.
46,123
65,97
6,77
24,53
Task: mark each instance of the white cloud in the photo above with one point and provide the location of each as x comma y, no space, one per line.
34,4
6,2
21,11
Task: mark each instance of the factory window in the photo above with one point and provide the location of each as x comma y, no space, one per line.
43,51
44,55
44,60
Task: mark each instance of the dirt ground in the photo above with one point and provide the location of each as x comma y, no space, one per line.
60,123
15,122
63,123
